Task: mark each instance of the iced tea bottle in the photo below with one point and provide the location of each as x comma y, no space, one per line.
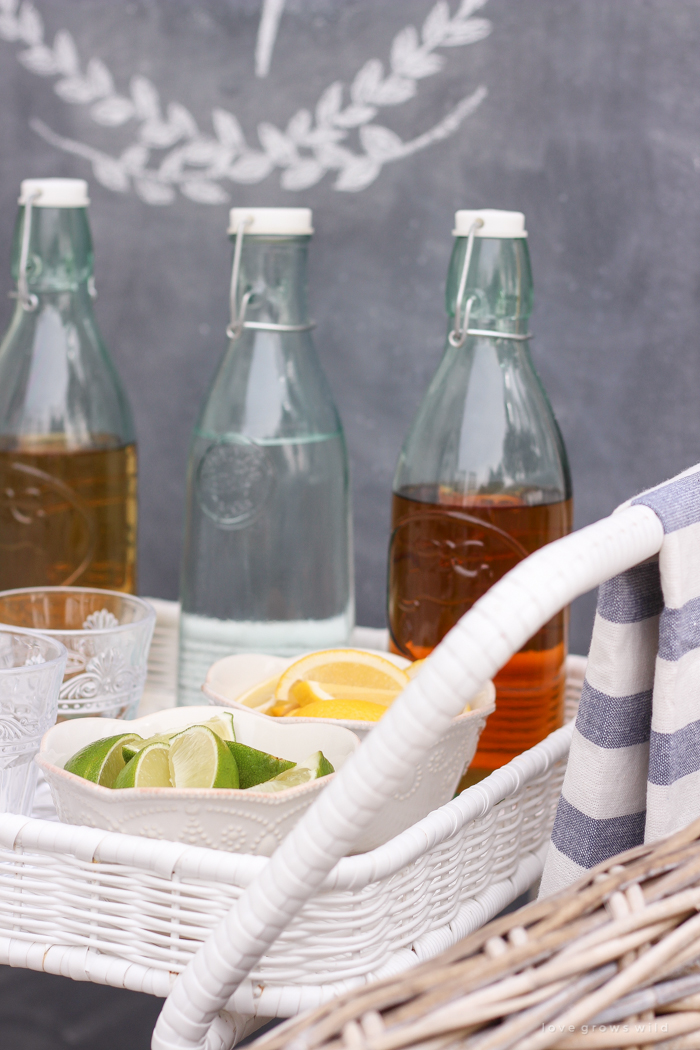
67,447
482,481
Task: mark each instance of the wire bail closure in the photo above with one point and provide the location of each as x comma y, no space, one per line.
234,329
28,299
458,336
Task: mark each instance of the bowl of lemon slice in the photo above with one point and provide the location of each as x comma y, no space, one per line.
353,688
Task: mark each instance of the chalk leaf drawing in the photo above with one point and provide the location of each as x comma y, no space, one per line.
267,34
170,153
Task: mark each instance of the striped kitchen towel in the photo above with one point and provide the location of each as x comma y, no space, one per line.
634,769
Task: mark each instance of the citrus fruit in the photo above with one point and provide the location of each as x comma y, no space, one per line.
317,765
282,708
351,710
259,695
415,667
148,768
255,767
221,724
102,761
339,674
333,668
132,747
199,758
306,692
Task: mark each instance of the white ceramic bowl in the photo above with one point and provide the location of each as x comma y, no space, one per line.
432,783
239,821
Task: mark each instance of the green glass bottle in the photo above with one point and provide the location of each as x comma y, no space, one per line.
67,446
482,480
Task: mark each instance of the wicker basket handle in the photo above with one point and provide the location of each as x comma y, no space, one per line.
485,638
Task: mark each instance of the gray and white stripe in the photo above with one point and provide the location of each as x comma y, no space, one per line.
634,769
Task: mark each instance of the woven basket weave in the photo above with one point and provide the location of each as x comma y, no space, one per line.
610,962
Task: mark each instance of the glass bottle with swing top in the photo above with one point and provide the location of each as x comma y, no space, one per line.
67,446
267,560
482,481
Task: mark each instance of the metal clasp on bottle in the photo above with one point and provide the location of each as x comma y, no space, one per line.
458,336
28,299
238,322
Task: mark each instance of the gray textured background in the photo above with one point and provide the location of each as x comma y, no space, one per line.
590,127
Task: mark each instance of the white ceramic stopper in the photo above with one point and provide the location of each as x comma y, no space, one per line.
281,222
495,223
55,193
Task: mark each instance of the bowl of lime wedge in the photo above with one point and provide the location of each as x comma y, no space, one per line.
224,779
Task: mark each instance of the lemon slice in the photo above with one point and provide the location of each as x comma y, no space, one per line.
317,765
415,667
260,696
102,761
350,710
307,692
342,668
147,769
199,758
282,708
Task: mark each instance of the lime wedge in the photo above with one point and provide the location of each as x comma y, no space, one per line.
222,725
312,768
147,769
133,748
102,761
199,758
255,767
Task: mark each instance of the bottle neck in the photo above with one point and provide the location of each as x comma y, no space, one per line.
271,286
53,250
496,290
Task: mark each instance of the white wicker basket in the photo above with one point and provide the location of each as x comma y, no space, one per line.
131,912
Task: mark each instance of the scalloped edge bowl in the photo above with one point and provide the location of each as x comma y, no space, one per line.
239,821
433,782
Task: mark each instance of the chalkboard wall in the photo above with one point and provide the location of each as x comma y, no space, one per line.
384,117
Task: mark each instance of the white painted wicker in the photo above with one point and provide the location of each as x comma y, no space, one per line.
305,924
128,911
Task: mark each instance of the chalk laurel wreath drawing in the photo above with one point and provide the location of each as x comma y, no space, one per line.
170,153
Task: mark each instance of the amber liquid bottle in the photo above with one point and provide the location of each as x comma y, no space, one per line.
67,448
481,482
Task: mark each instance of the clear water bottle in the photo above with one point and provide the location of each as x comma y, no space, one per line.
267,562
482,481
67,446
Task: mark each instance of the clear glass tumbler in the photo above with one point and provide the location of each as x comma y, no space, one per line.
31,671
107,635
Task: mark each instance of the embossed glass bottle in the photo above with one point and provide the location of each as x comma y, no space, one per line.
67,449
482,481
267,562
